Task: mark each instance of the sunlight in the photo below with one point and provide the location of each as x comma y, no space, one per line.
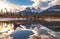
7,7
4,7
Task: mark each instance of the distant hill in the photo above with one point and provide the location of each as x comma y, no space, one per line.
52,10
30,11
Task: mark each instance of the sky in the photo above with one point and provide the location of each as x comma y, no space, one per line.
29,2
21,2
32,3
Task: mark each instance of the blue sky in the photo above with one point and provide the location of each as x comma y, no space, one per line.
21,2
31,3
27,2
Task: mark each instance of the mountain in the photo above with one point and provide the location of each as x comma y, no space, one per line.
30,11
52,10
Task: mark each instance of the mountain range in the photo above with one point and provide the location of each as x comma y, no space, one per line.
50,11
4,7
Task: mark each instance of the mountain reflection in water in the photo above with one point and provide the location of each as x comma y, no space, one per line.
28,29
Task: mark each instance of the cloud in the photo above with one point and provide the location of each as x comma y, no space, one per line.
58,2
40,3
9,6
36,3
1,0
23,6
44,4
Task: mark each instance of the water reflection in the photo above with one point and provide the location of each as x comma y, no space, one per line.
22,34
27,29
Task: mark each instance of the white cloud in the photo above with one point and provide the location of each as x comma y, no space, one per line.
58,2
36,3
10,7
43,4
40,3
1,0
